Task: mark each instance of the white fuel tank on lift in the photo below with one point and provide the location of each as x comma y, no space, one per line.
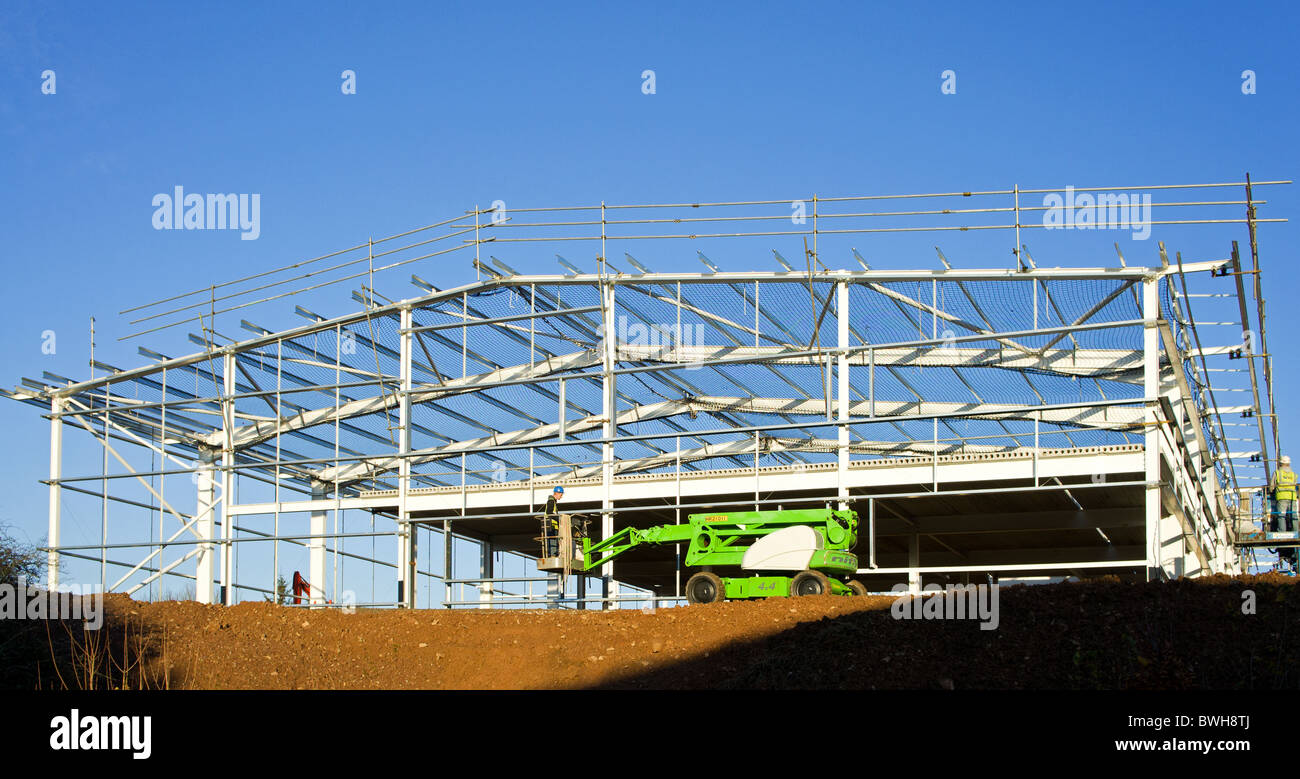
788,549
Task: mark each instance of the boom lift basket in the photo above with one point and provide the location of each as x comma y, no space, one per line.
571,529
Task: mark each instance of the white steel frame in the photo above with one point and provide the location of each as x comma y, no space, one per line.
230,428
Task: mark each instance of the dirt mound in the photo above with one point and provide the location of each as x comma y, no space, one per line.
1098,634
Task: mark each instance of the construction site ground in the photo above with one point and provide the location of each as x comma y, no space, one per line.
1097,634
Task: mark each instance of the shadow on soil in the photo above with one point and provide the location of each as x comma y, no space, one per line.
125,653
1100,634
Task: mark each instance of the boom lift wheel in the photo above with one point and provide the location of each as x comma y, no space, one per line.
858,587
704,587
810,583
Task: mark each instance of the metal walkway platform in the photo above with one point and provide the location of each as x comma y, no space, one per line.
1270,540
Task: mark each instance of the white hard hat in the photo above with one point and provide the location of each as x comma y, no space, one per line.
1286,460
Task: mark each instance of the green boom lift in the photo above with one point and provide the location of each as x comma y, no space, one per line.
777,553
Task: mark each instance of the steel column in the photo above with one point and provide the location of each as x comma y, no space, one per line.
1151,438
227,479
316,548
205,525
487,572
56,497
842,399
609,404
914,564
407,554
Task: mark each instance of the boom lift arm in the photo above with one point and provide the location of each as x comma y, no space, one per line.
630,538
783,552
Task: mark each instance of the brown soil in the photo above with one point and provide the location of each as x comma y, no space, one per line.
1097,634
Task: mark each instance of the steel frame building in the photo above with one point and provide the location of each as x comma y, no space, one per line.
1010,422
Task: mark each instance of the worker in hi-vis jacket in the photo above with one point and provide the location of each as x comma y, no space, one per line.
551,522
1284,498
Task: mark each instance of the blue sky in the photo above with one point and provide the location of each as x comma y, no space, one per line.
542,104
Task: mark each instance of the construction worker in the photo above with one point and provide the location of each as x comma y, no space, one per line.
1284,494
551,522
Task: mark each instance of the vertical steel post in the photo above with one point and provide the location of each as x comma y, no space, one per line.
1038,415
486,571
934,454
842,394
609,398
914,564
563,416
677,516
447,560
316,545
1016,206
206,514
103,489
1035,293
407,552
934,308
228,480
1151,438
815,231
279,414
162,479
871,532
871,383
338,441
56,497
553,592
